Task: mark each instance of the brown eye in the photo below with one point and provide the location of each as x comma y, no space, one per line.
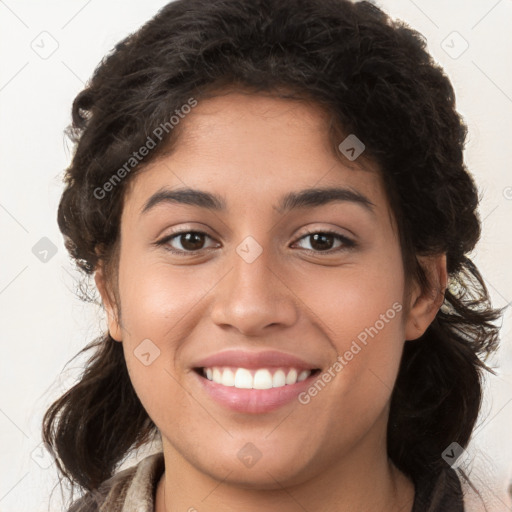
192,241
185,242
321,241
325,241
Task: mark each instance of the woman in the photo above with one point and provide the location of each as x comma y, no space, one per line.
272,199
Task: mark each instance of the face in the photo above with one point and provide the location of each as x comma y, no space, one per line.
248,272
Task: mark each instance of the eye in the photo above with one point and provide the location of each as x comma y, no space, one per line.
190,241
324,241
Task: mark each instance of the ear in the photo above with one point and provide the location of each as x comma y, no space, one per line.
424,304
114,326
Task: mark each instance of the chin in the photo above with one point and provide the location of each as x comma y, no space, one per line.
265,474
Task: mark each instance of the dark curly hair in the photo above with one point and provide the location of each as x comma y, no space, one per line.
376,79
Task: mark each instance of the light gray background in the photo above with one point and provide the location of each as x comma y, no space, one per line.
43,324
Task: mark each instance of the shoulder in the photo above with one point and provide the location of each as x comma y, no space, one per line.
136,484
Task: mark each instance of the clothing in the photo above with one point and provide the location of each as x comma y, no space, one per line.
134,489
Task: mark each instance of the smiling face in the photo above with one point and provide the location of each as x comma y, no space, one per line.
262,269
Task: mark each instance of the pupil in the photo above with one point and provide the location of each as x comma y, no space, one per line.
188,240
320,239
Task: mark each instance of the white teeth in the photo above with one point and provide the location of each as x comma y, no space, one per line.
262,378
243,379
217,376
228,378
303,375
291,378
279,379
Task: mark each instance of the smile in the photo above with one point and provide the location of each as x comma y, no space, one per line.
253,391
261,378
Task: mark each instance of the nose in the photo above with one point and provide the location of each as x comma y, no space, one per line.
254,298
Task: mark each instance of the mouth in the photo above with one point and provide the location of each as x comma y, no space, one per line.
245,381
255,378
256,390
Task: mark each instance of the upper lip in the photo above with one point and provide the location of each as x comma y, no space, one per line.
247,359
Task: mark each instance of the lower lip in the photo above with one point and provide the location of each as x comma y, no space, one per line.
254,401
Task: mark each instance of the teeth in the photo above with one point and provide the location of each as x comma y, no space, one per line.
291,378
279,379
262,378
228,378
303,375
243,379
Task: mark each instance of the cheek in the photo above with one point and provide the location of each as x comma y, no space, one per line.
156,298
361,314
361,302
158,307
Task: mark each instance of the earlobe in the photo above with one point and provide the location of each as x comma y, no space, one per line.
114,326
425,304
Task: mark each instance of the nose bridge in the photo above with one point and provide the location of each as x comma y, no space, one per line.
251,263
254,277
252,296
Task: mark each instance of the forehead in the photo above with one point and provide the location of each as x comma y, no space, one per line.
255,148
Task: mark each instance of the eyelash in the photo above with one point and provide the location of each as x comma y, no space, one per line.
347,242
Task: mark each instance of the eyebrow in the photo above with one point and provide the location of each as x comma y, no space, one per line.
307,198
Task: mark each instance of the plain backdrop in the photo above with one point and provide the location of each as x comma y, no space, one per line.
48,51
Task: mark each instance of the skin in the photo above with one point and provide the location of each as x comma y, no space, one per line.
331,453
